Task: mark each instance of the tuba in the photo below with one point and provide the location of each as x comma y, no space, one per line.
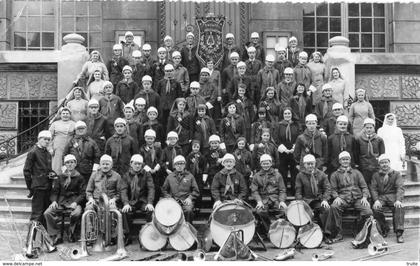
31,250
100,228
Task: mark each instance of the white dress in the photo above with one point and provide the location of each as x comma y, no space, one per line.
394,144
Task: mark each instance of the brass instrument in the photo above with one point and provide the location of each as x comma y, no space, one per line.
31,250
322,256
375,249
100,228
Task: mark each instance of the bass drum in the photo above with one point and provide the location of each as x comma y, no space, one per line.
151,239
282,234
228,217
310,235
184,238
299,213
168,216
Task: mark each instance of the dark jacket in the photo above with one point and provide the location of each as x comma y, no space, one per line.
393,190
285,92
304,189
86,152
348,191
167,99
151,157
116,106
303,75
74,192
317,146
243,161
134,130
111,181
180,186
367,158
201,134
158,71
189,59
218,186
193,101
157,127
97,128
228,134
137,187
228,74
212,157
196,164
264,81
184,128
329,125
256,130
209,92
294,104
232,90
260,53
36,169
319,109
227,50
281,66
152,98
115,67
268,187
274,109
280,136
139,71
149,63
335,147
120,148
264,148
168,154
126,90
293,56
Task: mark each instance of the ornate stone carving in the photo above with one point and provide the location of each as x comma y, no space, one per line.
379,86
8,114
243,30
408,114
8,147
410,87
3,85
206,8
49,86
34,83
411,139
162,20
17,85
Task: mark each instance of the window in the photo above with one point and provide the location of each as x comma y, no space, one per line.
35,25
362,23
271,39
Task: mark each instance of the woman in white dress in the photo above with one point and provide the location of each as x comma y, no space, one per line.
394,141
95,61
340,93
77,102
318,71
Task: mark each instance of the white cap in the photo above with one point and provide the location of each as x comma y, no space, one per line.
189,34
120,120
228,156
129,105
255,35
146,78
128,33
176,53
344,154
194,84
172,134
265,157
279,48
241,64
136,53
150,133
117,47
326,86
384,156
251,49
136,158
368,121
106,158
93,102
303,54
107,83
342,118
292,38
169,67
127,67
234,54
146,46
205,69
161,49
337,106
152,109
311,117
230,35
214,138
309,158
270,58
140,101
288,70
44,134
69,157
179,158
80,123
167,37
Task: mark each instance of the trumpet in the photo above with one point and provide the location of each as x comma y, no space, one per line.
31,251
322,256
375,249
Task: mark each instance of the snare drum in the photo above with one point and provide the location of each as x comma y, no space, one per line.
282,233
184,238
310,235
228,217
299,213
168,216
150,238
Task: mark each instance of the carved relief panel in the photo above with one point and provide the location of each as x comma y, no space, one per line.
408,113
8,114
10,147
28,86
379,86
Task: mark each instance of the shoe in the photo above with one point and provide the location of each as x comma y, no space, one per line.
338,238
400,239
328,241
288,254
57,240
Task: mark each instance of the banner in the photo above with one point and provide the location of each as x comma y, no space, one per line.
210,39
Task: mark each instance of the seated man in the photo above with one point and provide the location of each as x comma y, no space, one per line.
138,193
387,189
269,191
313,187
66,195
228,184
348,189
181,185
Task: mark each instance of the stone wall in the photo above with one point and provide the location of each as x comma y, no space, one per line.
403,22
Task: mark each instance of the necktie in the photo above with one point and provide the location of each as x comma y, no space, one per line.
347,177
370,147
325,109
196,167
173,154
288,133
168,86
152,153
203,125
108,106
314,185
270,78
135,191
343,143
233,124
229,185
302,107
189,52
147,99
68,180
386,178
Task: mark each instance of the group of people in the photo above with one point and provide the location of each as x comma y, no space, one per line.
139,128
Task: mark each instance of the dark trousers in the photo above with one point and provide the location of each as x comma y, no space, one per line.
333,225
188,211
128,217
40,202
53,219
320,213
367,174
163,117
288,163
265,216
397,217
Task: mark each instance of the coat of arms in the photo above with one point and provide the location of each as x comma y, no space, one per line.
210,40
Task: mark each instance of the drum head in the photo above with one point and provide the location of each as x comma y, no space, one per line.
282,234
151,239
168,212
184,238
310,235
298,214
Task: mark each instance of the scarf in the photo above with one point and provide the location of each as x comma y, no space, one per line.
302,106
386,175
189,46
134,185
232,121
311,144
346,173
229,186
152,152
68,179
108,107
314,184
325,108
168,86
204,128
80,140
118,147
196,167
368,139
104,184
288,130
172,150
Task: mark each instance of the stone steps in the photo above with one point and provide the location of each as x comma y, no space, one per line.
14,189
